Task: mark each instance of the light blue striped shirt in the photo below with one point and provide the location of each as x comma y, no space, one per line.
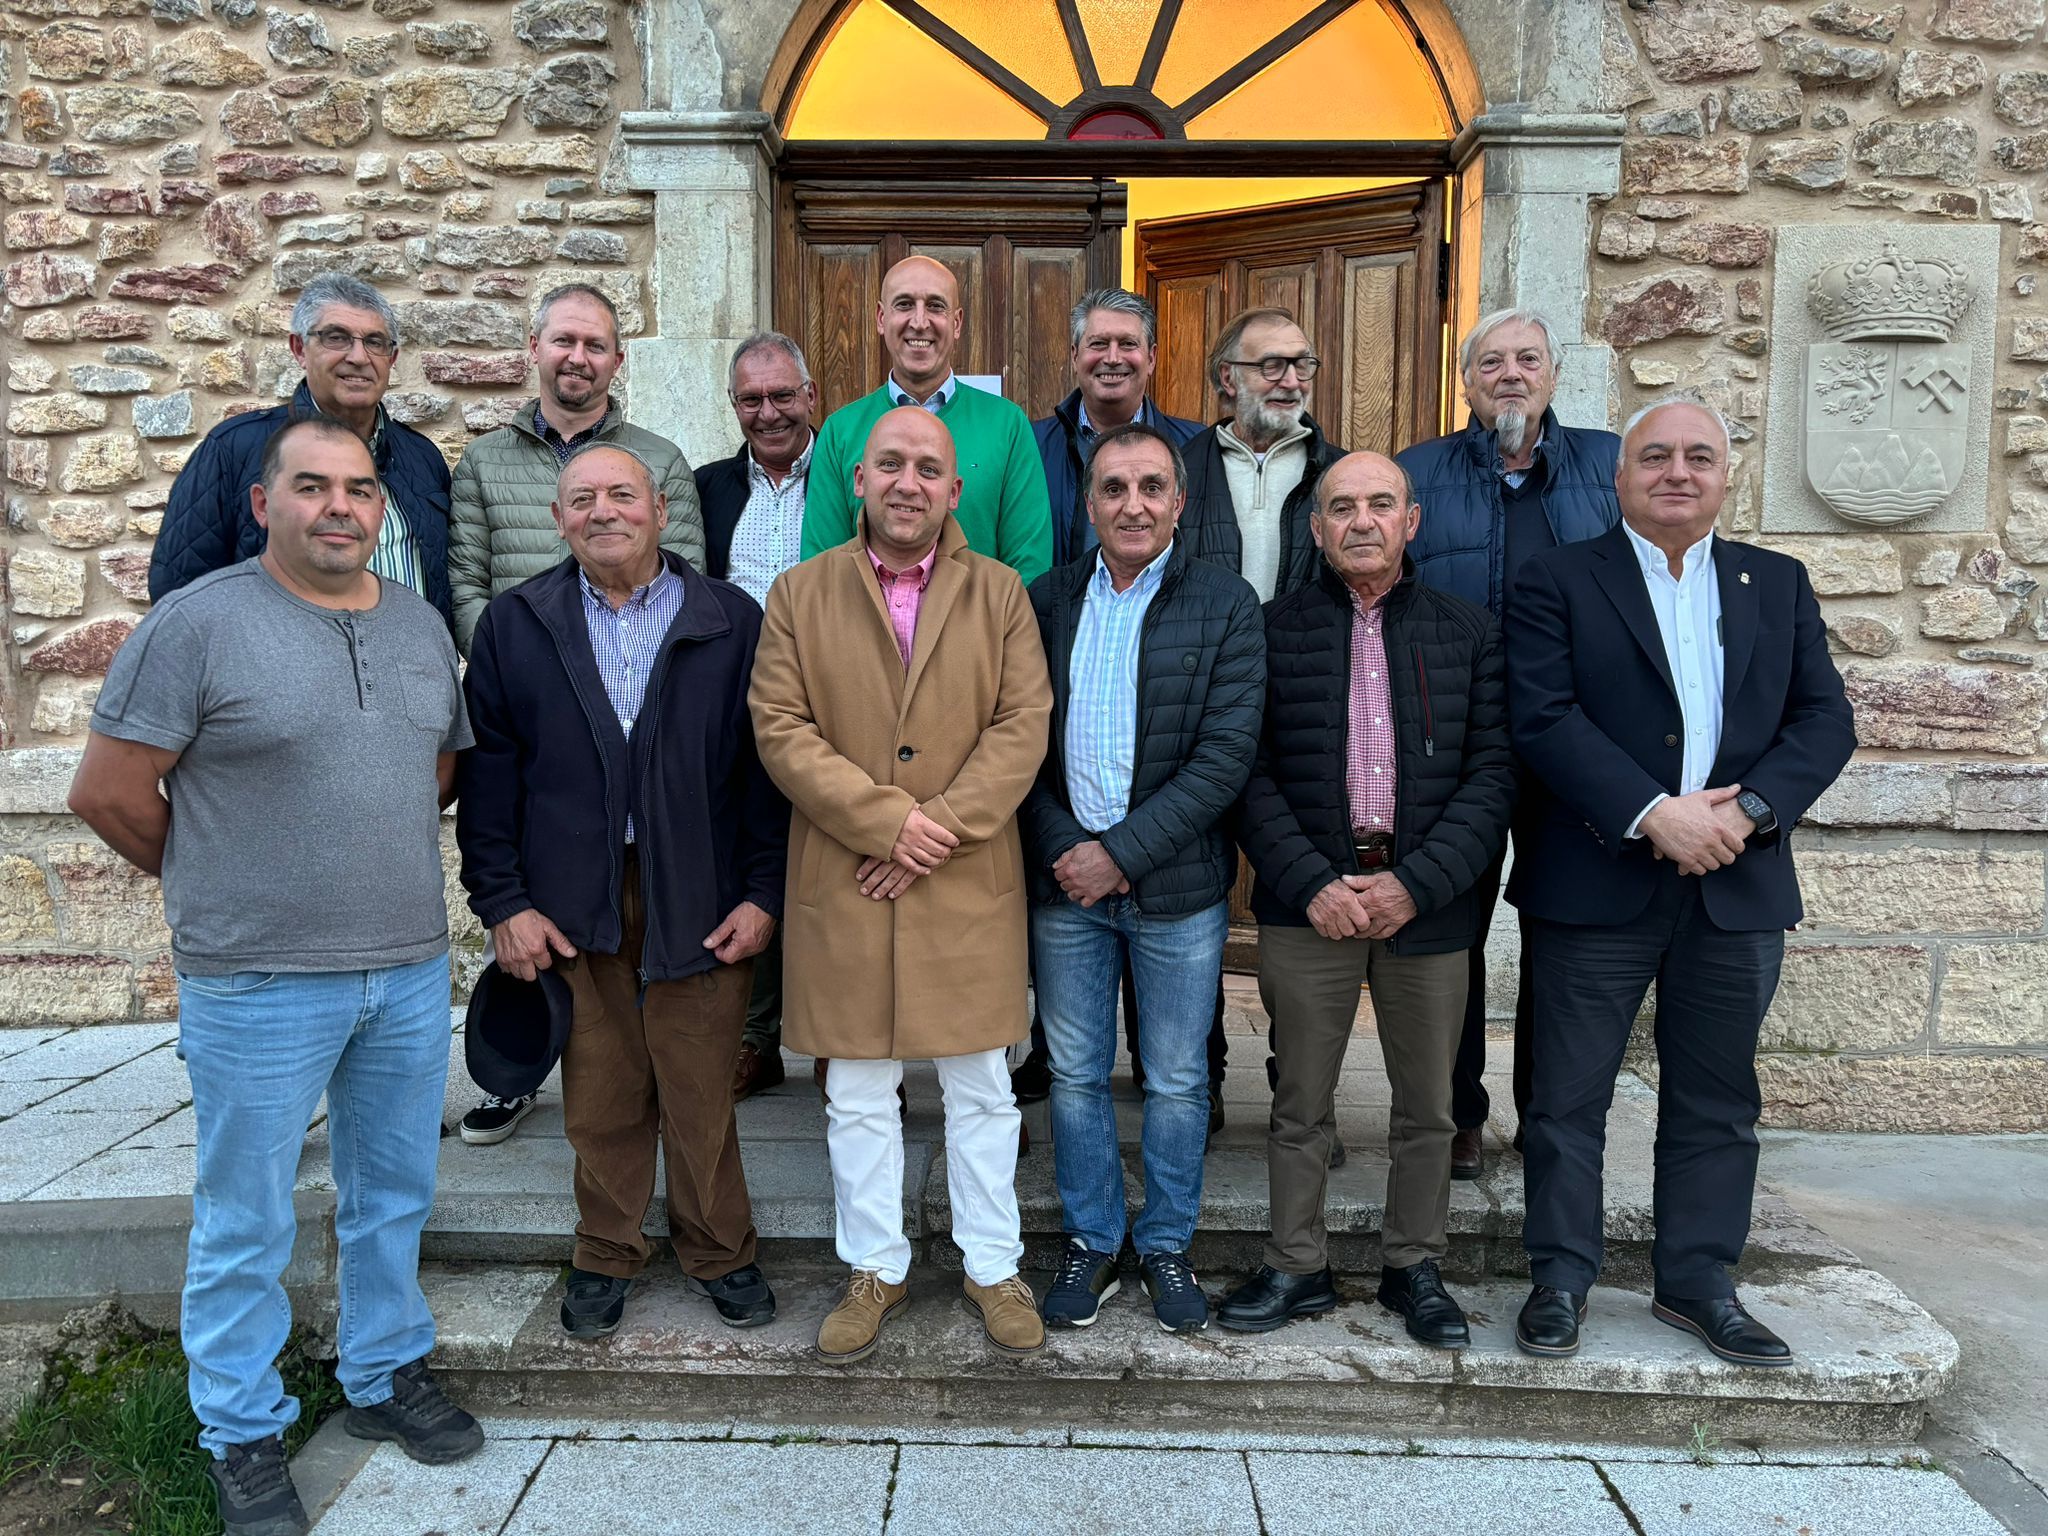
1101,749
625,641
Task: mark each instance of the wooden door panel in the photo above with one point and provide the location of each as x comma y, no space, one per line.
1379,385
1024,251
1190,313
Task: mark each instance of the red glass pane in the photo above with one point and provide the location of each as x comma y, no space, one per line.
1115,123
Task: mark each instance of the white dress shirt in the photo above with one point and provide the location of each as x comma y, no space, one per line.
1688,610
768,538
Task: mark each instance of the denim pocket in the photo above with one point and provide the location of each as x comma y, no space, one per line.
235,984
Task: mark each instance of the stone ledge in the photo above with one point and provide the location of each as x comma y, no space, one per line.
1960,795
1931,1094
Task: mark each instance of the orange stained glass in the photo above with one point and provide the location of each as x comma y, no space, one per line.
860,88
1024,36
1118,31
1211,35
1360,77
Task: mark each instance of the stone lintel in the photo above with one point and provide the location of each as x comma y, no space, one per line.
699,151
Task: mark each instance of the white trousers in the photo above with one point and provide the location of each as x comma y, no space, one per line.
864,1138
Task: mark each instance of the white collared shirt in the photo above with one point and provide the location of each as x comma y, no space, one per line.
934,402
1688,611
768,538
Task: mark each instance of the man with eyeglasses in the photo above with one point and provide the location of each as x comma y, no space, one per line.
503,524
1252,477
753,532
345,335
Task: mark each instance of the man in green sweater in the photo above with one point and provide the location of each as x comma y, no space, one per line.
1003,507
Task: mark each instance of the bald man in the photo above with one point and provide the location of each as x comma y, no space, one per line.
616,826
1003,511
901,703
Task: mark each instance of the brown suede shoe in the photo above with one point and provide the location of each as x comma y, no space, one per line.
1009,1315
1466,1162
756,1069
851,1329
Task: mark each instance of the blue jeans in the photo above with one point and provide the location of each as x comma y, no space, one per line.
261,1047
1079,954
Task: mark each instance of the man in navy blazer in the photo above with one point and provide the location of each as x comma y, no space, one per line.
1671,693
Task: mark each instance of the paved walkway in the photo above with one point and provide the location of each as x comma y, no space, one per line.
558,1477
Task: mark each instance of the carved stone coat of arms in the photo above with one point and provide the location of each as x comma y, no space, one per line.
1887,395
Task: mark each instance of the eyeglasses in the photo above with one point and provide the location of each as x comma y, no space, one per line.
332,338
781,399
1275,369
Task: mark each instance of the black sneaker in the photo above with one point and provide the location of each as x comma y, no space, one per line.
594,1303
1084,1282
1032,1079
495,1119
1177,1299
742,1297
1215,1113
419,1419
254,1488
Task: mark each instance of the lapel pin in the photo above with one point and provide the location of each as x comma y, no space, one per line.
1743,578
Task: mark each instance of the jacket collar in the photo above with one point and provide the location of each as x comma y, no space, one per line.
1398,597
1069,413
1074,576
556,599
383,442
1485,453
606,426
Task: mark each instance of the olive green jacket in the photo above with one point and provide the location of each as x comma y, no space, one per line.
501,530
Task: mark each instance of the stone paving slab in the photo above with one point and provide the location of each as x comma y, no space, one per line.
1822,1501
1324,1495
1019,1491
89,1051
391,1496
715,1489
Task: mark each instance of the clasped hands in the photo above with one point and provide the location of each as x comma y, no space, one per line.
526,943
922,845
1702,831
1375,906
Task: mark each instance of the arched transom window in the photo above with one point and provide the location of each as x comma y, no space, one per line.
1122,70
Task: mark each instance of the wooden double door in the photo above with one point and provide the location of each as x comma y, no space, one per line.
1363,273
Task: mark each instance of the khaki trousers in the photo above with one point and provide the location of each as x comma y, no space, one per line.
1309,985
656,1065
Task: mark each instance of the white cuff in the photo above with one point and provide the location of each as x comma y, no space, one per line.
1635,828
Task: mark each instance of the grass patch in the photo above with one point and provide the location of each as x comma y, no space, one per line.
1705,1445
108,1441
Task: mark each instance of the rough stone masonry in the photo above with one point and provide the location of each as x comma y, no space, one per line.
172,170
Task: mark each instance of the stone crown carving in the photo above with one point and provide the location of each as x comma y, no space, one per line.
1890,296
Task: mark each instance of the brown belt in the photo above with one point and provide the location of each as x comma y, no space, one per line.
1375,850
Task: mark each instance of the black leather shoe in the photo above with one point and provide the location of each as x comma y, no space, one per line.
1032,1080
1270,1299
742,1297
594,1304
1417,1293
1215,1114
1549,1324
1725,1328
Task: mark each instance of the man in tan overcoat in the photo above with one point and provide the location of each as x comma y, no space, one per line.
901,702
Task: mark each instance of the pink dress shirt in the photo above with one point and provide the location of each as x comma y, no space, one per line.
1369,749
903,591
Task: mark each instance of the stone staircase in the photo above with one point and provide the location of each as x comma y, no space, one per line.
1869,1358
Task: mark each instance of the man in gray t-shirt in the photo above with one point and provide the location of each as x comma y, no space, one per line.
303,717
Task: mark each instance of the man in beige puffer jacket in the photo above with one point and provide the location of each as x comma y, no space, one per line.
501,523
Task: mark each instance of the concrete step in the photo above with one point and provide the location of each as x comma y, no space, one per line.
1869,1361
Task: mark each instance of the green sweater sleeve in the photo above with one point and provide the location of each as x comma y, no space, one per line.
1024,521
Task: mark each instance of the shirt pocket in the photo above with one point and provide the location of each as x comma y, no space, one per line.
429,697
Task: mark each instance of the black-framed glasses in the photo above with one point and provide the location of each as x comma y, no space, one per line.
333,338
781,399
1274,369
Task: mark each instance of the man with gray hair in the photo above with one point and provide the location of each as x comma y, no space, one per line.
1515,481
1115,338
345,335
753,531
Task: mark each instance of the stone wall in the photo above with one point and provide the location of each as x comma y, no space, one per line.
1915,994
172,172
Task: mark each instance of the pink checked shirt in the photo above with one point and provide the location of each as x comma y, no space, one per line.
1369,751
903,591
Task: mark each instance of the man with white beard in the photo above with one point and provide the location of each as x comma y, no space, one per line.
1514,482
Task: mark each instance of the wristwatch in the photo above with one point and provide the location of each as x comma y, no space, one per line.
1758,810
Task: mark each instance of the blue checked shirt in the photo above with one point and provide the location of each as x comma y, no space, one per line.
1101,748
626,640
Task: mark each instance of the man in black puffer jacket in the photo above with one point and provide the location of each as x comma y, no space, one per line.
1158,669
1381,795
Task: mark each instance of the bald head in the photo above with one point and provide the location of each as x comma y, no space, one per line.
1365,514
918,318
907,481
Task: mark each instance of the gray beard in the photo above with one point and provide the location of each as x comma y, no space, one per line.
1510,428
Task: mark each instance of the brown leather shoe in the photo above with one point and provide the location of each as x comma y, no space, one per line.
851,1329
756,1069
1466,1162
1009,1315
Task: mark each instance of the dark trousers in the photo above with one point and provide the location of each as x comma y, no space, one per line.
654,1063
1713,987
1469,1099
764,1006
1219,1050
